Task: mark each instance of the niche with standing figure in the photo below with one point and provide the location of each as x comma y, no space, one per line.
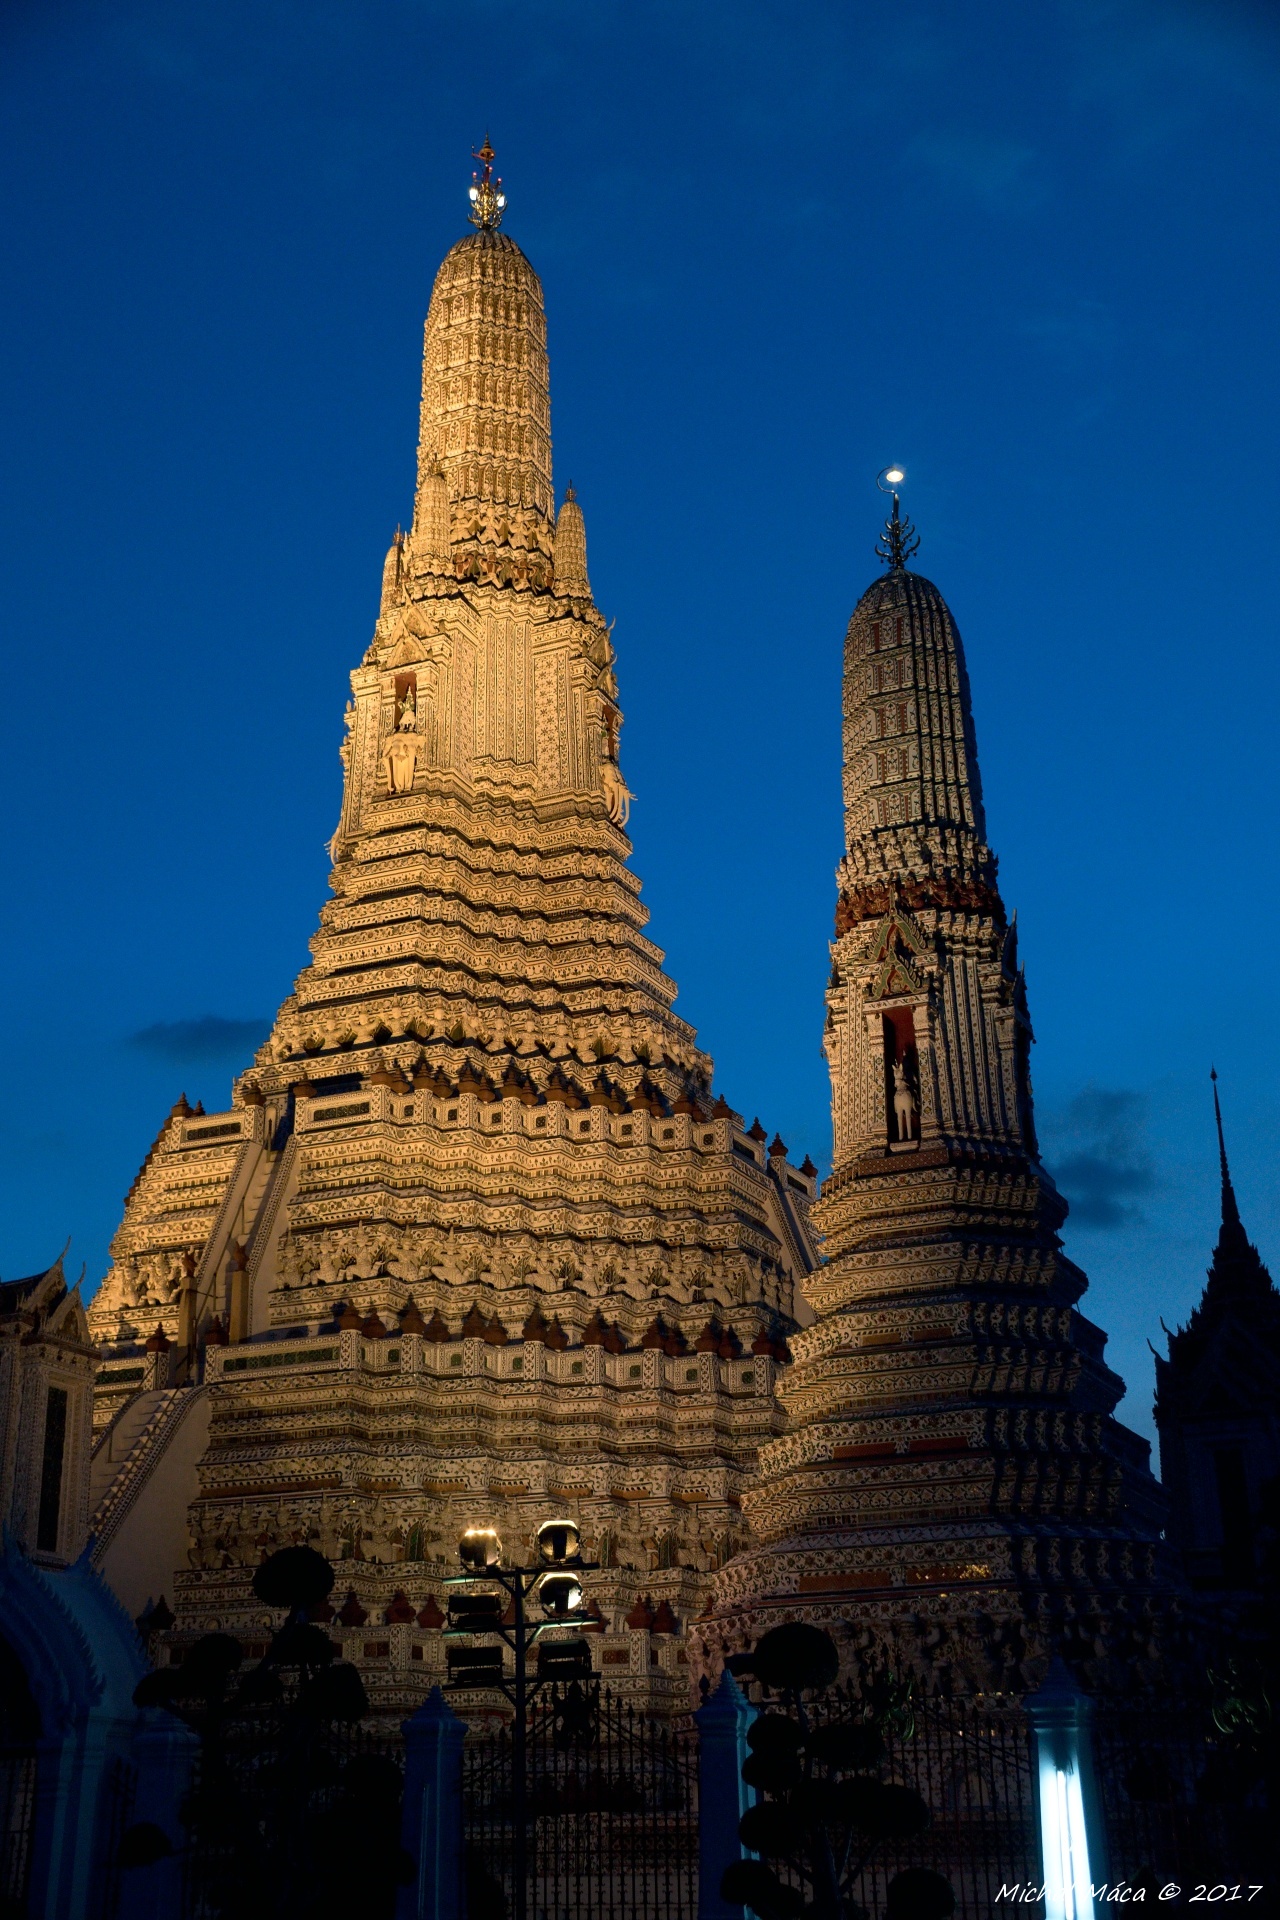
901,1077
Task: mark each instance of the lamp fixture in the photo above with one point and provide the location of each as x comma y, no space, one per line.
560,1594
479,1549
557,1543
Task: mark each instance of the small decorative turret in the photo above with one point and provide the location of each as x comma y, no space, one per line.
571,549
392,573
430,547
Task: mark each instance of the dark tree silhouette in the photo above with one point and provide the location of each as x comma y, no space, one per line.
279,1775
825,1807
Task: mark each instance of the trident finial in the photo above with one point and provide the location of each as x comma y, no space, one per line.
900,538
485,193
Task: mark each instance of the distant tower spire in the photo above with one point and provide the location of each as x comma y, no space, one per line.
900,539
1232,1225
1237,1268
488,201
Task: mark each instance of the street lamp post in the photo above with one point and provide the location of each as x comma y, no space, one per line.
557,1563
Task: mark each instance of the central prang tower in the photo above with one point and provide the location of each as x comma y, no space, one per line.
952,1482
475,1241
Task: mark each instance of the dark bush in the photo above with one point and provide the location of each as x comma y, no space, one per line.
752,1884
142,1845
293,1577
795,1657
918,1894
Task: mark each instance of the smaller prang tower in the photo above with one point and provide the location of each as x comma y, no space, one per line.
1218,1411
952,1484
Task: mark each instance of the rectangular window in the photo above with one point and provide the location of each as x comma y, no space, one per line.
875,636
897,629
882,766
55,1446
901,713
882,722
904,763
877,678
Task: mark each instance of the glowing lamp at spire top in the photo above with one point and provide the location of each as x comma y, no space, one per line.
488,201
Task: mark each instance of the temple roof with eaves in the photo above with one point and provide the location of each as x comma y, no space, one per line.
1227,1357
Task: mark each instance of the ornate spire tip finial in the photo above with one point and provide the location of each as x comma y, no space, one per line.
488,201
900,539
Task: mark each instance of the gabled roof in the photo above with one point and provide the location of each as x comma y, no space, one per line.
36,1291
44,1298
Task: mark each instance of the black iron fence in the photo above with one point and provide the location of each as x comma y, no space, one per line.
1176,1808
17,1815
613,1813
283,1822
1162,1768
970,1761
115,1809
292,1818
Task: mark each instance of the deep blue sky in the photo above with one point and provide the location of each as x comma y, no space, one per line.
1027,251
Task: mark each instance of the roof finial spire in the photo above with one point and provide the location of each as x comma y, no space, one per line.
900,538
1230,1211
488,201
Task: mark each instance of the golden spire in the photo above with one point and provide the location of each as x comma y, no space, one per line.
485,193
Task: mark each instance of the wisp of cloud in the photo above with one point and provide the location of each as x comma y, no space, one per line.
1100,1158
207,1037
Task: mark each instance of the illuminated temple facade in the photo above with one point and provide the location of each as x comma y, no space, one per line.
476,1241
479,1242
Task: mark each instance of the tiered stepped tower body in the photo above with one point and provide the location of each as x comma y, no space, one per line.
475,1242
952,1481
